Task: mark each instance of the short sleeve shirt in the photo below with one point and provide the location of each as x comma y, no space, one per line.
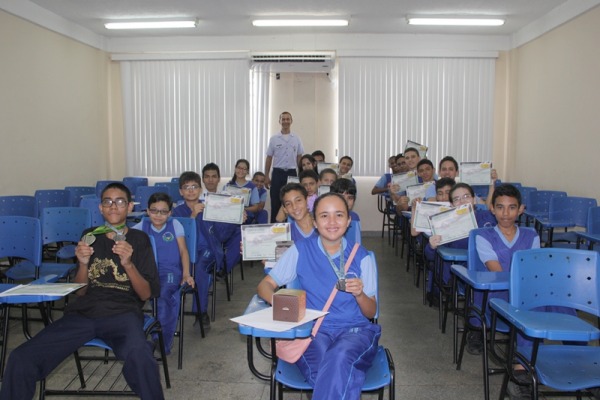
285,150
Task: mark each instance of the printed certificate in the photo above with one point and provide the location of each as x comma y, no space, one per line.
424,210
239,191
422,149
46,289
476,173
323,189
224,208
260,241
417,191
453,224
323,165
293,179
404,180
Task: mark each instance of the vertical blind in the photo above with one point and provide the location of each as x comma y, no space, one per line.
443,103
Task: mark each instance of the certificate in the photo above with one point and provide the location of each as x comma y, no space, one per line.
239,191
324,165
293,179
417,191
404,180
46,289
260,241
347,176
323,189
224,208
476,173
424,210
421,148
453,224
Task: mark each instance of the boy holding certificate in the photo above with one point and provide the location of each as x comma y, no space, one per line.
262,217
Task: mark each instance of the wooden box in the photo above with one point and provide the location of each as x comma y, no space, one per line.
289,305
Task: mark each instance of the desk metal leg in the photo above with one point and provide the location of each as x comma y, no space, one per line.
250,356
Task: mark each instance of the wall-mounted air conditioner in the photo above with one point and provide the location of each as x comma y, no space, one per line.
312,62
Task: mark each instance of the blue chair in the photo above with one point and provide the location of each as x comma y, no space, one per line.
538,205
481,191
133,182
525,195
553,277
142,195
21,238
23,206
565,212
592,232
76,192
443,255
172,188
51,198
175,180
93,205
100,185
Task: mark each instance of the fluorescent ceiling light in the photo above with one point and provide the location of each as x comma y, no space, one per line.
151,24
456,21
300,22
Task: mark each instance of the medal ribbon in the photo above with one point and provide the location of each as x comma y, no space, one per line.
339,271
108,228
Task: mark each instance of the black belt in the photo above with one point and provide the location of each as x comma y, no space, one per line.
286,169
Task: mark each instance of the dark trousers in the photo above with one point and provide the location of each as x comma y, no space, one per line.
36,358
278,180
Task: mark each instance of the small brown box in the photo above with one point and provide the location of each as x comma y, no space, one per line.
289,305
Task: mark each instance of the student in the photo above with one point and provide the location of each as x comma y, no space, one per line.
295,210
339,355
310,180
120,276
347,189
412,158
319,156
448,169
442,189
383,184
307,162
345,166
262,217
173,261
327,176
401,165
239,181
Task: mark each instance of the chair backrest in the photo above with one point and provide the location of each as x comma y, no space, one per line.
474,263
593,220
142,195
100,185
21,237
526,193
518,185
77,191
51,198
93,205
555,277
176,180
481,191
539,200
64,224
189,226
23,206
133,182
571,209
172,188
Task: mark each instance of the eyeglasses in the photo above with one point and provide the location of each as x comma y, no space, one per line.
190,187
120,203
463,197
155,211
242,168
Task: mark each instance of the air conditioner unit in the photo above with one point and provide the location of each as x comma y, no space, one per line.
313,62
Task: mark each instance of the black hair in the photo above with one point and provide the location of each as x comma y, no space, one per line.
425,161
506,189
461,185
327,171
347,158
343,185
258,173
310,158
440,183
189,176
160,196
326,195
292,186
318,153
241,160
449,158
309,173
119,186
211,167
399,155
411,149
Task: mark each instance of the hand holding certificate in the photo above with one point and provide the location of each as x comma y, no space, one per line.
323,165
404,180
417,191
224,208
453,224
239,191
260,241
424,210
476,173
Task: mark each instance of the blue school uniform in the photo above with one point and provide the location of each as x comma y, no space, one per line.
345,346
170,275
262,217
254,198
297,234
353,234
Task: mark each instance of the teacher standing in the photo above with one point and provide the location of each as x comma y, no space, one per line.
284,153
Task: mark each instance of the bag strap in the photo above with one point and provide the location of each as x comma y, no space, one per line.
333,292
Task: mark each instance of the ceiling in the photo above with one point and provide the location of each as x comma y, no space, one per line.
233,17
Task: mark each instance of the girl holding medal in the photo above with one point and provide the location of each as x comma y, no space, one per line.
173,261
339,355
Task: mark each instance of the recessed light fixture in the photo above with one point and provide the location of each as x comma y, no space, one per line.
455,21
300,22
151,24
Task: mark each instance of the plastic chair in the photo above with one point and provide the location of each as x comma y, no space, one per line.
21,237
592,232
133,182
23,206
538,205
565,212
189,226
553,277
172,188
142,195
76,192
443,255
525,195
100,185
93,205
51,198
481,191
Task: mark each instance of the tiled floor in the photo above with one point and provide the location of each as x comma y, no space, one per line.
215,367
